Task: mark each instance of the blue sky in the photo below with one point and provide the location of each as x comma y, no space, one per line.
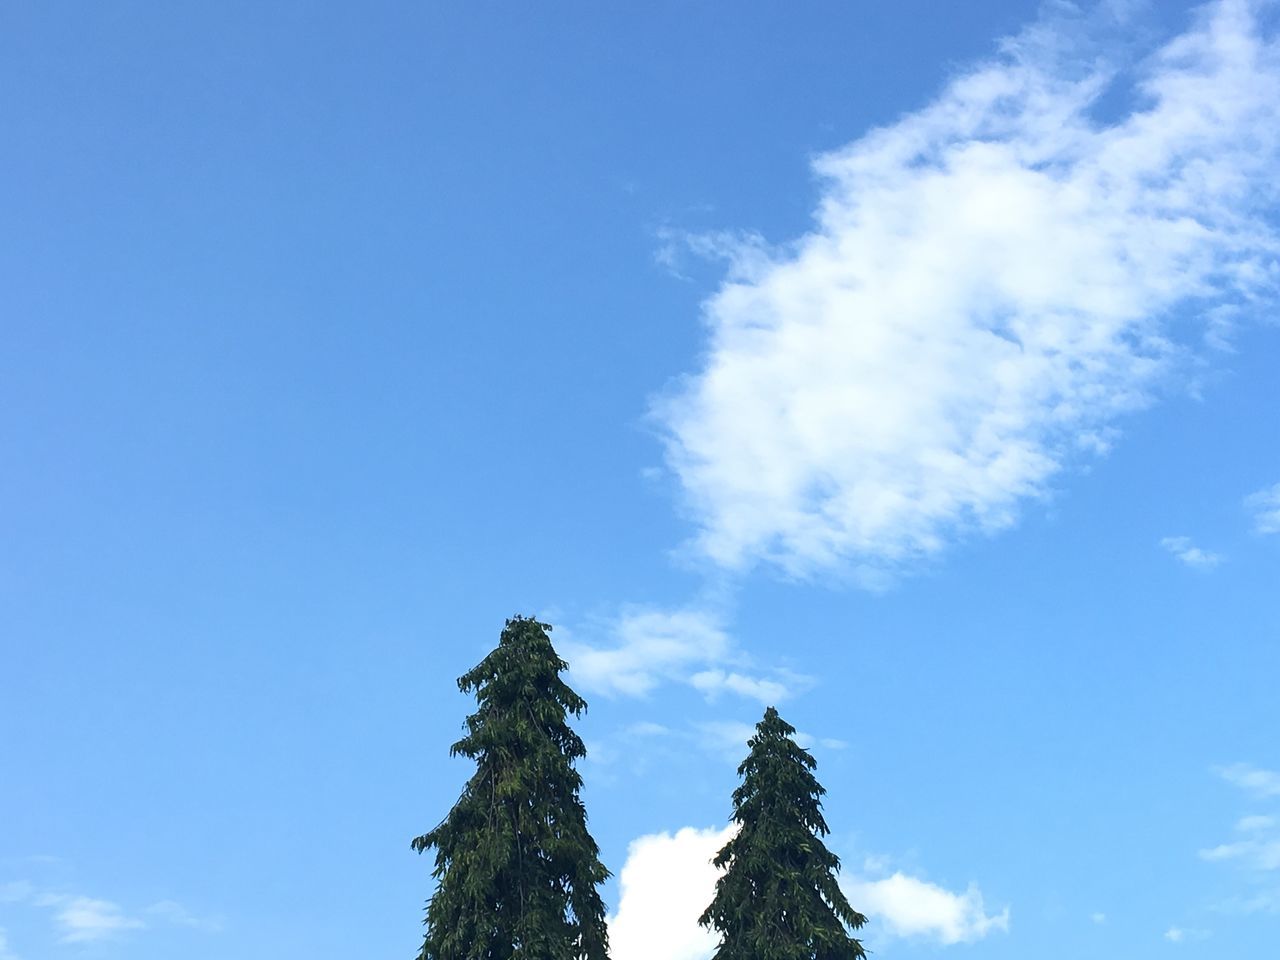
909,366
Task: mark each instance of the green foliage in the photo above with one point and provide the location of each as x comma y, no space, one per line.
778,898
516,870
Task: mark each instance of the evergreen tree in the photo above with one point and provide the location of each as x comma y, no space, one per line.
516,870
778,898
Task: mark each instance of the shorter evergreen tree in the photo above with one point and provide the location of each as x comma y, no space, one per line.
778,898
517,872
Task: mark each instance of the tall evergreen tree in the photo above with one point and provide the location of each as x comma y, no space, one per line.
516,870
778,898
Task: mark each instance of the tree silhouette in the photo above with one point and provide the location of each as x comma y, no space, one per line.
517,872
778,898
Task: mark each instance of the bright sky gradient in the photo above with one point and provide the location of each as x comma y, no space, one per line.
911,366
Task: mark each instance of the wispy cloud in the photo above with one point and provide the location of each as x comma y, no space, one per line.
1265,902
87,919
986,291
725,737
1265,507
1255,847
1256,780
1258,852
16,891
1188,554
82,919
174,913
646,647
1182,935
1254,824
641,747
715,682
728,738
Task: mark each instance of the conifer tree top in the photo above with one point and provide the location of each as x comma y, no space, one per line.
778,898
518,689
517,871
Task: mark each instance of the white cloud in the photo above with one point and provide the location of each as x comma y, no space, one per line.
668,880
985,292
1098,918
1180,935
1255,780
1265,507
666,883
5,952
910,907
648,647
1189,554
86,919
